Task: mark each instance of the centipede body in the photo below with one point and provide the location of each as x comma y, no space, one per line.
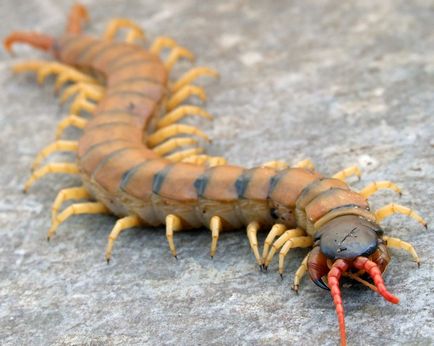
120,170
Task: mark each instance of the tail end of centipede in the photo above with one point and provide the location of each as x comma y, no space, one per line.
34,39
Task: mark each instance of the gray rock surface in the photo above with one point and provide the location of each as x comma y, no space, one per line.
337,82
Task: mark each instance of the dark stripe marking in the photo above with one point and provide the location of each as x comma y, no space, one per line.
159,178
130,173
243,181
201,182
275,180
108,124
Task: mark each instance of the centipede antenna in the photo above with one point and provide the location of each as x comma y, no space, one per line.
333,277
374,272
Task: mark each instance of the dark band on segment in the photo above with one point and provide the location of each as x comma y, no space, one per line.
130,173
159,178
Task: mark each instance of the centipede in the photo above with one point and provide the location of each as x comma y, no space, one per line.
139,161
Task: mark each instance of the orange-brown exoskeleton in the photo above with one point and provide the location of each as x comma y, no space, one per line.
138,161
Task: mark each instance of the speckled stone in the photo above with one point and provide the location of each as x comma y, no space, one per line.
342,83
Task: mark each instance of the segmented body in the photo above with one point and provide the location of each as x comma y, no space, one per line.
129,178
121,168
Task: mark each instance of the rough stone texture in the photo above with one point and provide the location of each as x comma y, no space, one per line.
340,83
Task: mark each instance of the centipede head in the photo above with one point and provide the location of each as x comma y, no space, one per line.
348,245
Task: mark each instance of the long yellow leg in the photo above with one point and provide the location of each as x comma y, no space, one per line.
192,75
302,242
301,271
82,103
252,232
180,155
379,185
120,226
278,165
65,168
292,233
90,91
76,209
276,230
176,54
45,68
173,130
53,147
210,161
348,172
119,23
305,164
173,144
184,93
71,120
66,195
173,224
29,66
400,244
394,208
216,226
180,113
162,42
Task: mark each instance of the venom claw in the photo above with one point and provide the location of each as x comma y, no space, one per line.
321,283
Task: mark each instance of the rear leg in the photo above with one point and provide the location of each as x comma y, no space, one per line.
135,32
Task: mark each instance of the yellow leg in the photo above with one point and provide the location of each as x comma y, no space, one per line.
45,68
173,144
173,130
53,147
66,195
252,231
65,168
192,75
400,244
348,172
302,242
120,226
119,23
180,113
162,42
173,224
29,66
90,91
176,54
71,120
301,271
308,164
379,185
82,103
393,208
76,209
210,161
183,94
216,226
292,233
180,155
278,165
276,230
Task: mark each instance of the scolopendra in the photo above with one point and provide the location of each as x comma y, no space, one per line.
229,194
